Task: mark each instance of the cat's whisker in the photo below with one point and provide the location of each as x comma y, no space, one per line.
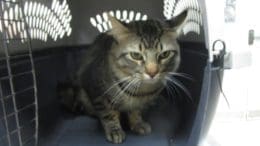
116,94
136,85
172,90
133,89
118,91
127,87
184,75
115,84
133,86
180,85
169,92
117,98
173,85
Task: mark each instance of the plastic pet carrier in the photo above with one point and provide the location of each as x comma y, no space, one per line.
41,43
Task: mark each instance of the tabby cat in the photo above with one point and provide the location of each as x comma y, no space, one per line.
124,71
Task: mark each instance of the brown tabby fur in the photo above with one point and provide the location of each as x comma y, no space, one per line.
125,70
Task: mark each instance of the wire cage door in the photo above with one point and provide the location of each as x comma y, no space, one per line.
18,91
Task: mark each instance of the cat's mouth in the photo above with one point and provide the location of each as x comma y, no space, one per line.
151,81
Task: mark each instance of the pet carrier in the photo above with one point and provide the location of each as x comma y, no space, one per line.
41,43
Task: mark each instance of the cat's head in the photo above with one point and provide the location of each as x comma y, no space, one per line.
146,50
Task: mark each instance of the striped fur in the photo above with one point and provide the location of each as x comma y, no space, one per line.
125,70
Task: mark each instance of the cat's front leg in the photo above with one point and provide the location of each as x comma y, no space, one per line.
111,124
137,124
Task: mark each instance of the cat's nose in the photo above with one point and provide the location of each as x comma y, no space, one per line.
152,75
152,69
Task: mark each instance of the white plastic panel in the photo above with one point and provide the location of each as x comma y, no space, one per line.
194,19
42,21
100,21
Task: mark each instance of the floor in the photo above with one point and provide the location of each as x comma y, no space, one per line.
83,130
67,130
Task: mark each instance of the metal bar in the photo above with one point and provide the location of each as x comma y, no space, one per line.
12,88
9,73
15,56
20,110
22,127
16,64
18,92
29,139
15,75
7,58
4,112
34,78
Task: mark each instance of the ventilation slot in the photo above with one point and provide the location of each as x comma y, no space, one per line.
102,24
42,22
194,20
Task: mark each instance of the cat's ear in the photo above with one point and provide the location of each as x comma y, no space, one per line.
118,29
177,23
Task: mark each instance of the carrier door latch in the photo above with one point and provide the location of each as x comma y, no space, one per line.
219,51
252,37
230,59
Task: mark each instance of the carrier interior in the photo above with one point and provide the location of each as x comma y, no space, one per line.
171,118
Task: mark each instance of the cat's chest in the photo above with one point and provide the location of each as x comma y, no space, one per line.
129,100
133,103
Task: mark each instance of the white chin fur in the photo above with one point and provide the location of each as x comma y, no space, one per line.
147,77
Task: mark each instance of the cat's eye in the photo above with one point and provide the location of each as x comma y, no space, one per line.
136,56
166,54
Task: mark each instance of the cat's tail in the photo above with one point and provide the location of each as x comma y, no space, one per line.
67,97
73,98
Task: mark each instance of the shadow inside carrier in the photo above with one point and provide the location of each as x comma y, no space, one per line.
171,117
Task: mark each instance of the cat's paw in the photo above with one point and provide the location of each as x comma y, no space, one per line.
142,128
115,135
